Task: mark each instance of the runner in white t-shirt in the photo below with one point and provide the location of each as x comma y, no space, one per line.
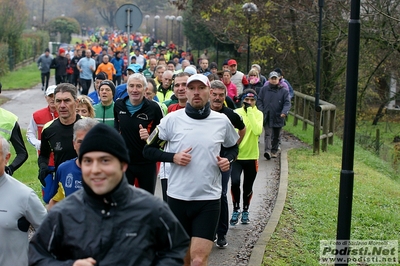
195,136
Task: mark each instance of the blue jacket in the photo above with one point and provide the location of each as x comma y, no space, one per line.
118,65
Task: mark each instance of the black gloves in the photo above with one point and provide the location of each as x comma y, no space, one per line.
246,105
43,172
8,170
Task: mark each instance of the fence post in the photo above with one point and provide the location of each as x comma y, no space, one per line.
332,118
306,106
296,109
317,130
325,129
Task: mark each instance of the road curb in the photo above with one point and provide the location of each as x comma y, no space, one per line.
257,253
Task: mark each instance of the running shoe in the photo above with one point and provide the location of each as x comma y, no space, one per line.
274,155
245,217
267,155
235,217
221,242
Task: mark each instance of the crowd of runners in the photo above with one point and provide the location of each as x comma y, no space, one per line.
114,123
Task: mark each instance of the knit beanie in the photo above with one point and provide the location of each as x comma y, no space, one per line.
249,93
104,138
61,50
110,84
102,76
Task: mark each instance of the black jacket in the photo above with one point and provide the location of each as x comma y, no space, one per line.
273,101
149,116
60,64
129,227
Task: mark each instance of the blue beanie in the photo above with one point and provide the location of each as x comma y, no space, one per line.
249,93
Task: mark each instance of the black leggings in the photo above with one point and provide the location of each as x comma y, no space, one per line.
143,176
117,80
85,84
249,169
45,80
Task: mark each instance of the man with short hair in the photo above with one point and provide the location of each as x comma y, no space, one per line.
178,99
135,227
86,67
150,71
165,90
44,62
68,178
106,67
238,78
20,207
151,90
185,63
74,63
120,90
194,137
57,134
160,69
217,99
104,110
203,67
274,102
140,59
171,66
135,118
94,95
177,102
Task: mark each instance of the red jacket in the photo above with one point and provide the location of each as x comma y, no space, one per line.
41,117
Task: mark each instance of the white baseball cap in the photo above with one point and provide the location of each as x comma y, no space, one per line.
198,77
50,90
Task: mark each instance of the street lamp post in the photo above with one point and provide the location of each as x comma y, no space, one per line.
166,22
156,18
147,23
43,13
172,18
179,19
249,9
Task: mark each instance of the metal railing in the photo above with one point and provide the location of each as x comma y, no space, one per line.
303,110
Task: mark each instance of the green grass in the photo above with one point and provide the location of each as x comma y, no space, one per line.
23,78
28,172
310,212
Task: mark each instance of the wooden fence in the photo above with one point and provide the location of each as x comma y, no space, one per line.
322,119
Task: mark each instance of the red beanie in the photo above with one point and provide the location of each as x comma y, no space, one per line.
61,50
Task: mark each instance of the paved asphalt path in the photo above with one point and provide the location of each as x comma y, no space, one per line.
240,237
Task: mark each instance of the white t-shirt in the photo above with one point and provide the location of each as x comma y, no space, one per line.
201,178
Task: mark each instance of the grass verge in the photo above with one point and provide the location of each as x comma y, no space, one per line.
28,172
310,212
23,78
